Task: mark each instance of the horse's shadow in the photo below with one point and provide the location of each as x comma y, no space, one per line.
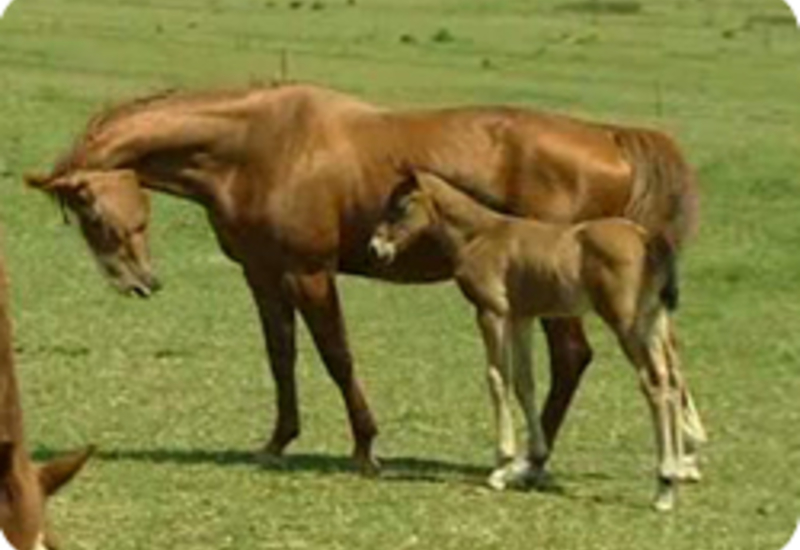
392,468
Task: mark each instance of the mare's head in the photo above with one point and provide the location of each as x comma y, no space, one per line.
113,212
409,213
24,488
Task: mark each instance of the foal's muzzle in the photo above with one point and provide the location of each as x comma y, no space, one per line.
382,250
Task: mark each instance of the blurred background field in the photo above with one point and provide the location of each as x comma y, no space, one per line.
174,392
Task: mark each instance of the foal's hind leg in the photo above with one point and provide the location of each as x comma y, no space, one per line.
642,346
494,330
693,432
318,300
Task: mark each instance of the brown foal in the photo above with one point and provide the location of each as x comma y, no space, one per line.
294,178
515,270
24,486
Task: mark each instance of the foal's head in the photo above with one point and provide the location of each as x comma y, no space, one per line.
408,214
24,488
113,212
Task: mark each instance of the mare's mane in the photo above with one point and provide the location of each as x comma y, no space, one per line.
130,106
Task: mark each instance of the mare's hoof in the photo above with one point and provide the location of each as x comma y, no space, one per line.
269,456
368,466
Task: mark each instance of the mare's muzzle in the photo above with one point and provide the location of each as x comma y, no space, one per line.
145,287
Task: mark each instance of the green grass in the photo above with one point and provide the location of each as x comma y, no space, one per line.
174,392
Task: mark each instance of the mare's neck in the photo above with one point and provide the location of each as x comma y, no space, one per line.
460,219
189,151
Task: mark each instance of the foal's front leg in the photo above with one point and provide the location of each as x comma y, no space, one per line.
528,469
494,331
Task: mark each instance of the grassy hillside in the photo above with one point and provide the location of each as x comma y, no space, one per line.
173,390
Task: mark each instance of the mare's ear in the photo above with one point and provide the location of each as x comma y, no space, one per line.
6,458
55,474
49,184
38,181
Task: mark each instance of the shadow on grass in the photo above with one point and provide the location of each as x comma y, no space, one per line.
605,7
392,468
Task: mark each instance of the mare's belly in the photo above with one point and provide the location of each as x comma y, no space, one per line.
424,262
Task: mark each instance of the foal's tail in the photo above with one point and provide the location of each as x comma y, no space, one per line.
664,197
662,261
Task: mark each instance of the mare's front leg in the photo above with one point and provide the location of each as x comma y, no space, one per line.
570,354
318,300
494,330
277,316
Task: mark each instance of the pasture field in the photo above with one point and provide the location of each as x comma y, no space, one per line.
173,389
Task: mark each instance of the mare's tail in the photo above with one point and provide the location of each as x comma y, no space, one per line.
664,197
662,261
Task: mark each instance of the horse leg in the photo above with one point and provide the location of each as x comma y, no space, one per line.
642,346
693,433
494,330
318,300
570,354
531,469
277,316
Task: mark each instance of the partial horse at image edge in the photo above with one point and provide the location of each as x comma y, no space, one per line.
24,486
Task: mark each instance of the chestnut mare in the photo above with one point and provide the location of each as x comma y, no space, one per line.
514,270
24,486
294,179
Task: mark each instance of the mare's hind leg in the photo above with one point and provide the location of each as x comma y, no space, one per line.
570,354
529,469
494,329
318,300
277,316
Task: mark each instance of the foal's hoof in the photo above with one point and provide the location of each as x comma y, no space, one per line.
689,471
664,503
498,479
519,475
665,497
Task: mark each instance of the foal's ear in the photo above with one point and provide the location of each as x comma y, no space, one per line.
58,472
